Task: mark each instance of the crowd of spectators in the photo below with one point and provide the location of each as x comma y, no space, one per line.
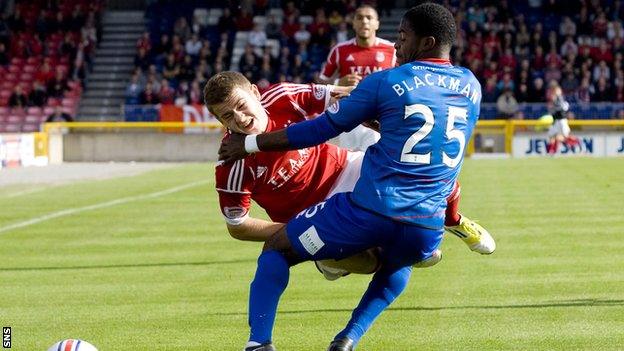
514,48
46,50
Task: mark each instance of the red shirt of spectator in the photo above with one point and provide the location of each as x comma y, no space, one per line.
302,177
44,74
244,21
602,53
166,95
553,59
290,26
508,60
539,61
349,58
493,42
144,42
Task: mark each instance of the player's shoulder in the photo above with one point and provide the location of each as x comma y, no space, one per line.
385,43
280,91
469,75
345,45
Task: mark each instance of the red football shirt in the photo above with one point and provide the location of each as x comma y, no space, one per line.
348,58
283,183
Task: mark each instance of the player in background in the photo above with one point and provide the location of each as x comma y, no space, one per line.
350,61
427,110
303,177
559,131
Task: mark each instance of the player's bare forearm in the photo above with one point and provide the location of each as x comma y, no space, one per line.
254,229
233,148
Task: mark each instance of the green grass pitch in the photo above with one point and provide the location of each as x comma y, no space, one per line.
160,272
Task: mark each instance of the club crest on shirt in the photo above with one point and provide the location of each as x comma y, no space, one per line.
333,108
319,92
380,57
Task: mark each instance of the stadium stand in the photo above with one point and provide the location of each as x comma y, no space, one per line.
46,52
512,46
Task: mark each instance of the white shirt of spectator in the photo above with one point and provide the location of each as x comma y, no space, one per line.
302,36
193,47
257,37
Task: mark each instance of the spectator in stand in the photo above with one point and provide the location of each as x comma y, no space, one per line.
144,42
342,34
290,27
4,57
489,90
182,29
538,93
133,91
193,45
244,20
149,96
58,85
38,96
187,69
601,71
141,59
569,84
584,92
523,93
171,69
257,37
506,104
272,28
602,91
567,28
166,95
302,35
226,22
162,48
248,64
59,116
194,94
18,98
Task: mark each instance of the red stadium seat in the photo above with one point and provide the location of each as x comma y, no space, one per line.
4,111
27,77
10,77
30,128
14,119
48,110
32,119
28,68
33,60
12,128
13,68
38,111
17,61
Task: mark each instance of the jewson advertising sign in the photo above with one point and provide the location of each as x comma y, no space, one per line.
591,144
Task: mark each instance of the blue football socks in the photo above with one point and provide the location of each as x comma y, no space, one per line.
384,288
268,285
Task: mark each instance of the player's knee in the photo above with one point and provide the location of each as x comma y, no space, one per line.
366,262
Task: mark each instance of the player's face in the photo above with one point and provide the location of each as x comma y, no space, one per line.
409,46
365,23
242,112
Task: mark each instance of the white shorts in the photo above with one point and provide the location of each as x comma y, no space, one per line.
559,127
359,139
349,176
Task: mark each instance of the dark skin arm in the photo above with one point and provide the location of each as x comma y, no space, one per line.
233,148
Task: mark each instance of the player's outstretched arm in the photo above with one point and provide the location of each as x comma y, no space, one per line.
253,229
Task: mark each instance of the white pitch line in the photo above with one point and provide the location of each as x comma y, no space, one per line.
123,200
24,192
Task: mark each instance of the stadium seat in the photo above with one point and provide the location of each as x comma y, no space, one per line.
30,127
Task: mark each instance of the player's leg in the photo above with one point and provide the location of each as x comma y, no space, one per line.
412,244
331,229
472,234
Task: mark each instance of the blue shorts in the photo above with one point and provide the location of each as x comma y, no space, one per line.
338,228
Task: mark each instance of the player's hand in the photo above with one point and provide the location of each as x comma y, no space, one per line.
372,124
339,92
232,148
350,80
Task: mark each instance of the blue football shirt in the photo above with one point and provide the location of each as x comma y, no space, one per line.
427,111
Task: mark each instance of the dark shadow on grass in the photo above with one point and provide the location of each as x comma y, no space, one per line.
115,266
551,304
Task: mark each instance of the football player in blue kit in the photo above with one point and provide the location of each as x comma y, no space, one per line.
426,109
